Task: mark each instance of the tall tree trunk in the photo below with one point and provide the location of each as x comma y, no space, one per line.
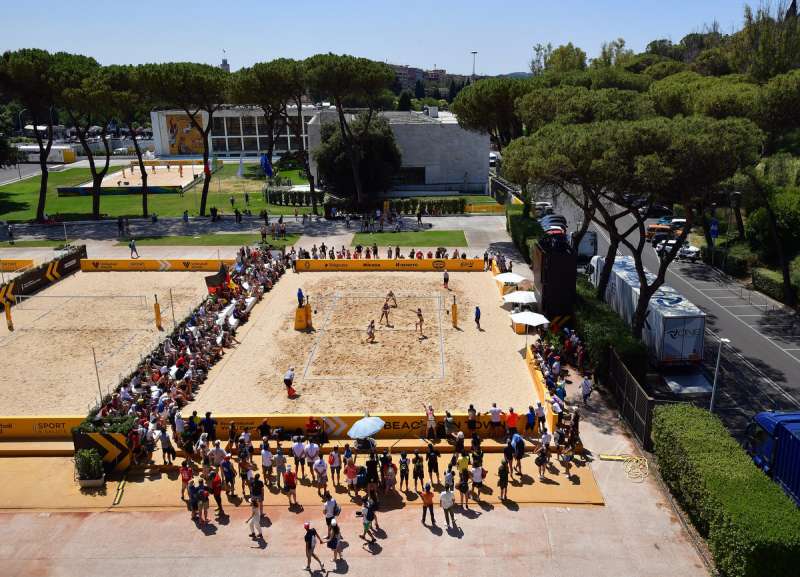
351,154
640,314
142,170
737,211
608,264
204,133
44,152
206,180
304,153
789,296
92,169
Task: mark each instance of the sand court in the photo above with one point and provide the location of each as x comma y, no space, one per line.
47,361
338,372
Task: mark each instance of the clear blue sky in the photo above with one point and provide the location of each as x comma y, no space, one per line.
422,33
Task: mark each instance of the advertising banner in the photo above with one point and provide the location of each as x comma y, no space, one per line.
125,264
424,264
113,448
13,264
46,427
34,280
184,138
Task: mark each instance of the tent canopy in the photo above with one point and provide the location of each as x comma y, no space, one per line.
529,318
509,278
520,297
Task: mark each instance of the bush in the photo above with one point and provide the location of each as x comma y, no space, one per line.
89,464
752,527
600,328
769,282
735,259
522,228
107,425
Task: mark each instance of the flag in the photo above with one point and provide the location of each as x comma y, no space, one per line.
240,172
219,279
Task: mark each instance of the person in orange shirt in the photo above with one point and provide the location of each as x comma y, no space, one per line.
511,421
427,503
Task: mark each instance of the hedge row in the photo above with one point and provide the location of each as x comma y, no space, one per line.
600,328
432,207
752,527
522,228
769,282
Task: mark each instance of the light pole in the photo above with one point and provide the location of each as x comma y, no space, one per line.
722,343
474,54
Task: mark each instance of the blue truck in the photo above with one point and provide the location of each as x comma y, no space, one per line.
773,441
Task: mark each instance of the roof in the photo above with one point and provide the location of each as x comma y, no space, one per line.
770,419
666,300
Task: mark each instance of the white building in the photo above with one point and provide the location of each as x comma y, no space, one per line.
236,131
438,156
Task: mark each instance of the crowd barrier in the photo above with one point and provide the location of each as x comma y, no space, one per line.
540,388
14,264
33,280
123,264
41,427
423,264
113,448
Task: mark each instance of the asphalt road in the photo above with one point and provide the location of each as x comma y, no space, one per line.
760,368
13,174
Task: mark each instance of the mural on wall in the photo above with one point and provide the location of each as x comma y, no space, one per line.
183,137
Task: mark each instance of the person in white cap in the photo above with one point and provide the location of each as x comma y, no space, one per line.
335,540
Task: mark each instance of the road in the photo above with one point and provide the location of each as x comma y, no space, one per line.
760,368
12,174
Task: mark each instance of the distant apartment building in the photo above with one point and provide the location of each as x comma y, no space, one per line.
436,75
225,66
407,76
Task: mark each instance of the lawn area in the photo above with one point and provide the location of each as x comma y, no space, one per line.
428,238
32,243
233,239
253,172
18,200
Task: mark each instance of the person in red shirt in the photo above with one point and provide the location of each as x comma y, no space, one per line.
511,421
216,490
290,484
186,476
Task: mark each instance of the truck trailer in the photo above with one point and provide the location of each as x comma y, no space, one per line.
773,441
674,328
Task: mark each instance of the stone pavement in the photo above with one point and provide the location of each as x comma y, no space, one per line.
635,534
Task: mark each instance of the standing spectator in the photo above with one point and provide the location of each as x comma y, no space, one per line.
519,451
120,227
335,461
321,474
209,426
404,469
446,278
541,461
257,492
478,317
463,488
477,480
186,478
335,540
254,520
511,422
290,484
586,388
368,517
350,475
229,476
530,421
447,501
167,449
472,418
430,427
266,461
540,415
558,409
495,416
502,479
193,499
299,452
330,509
418,471
202,499
233,201
263,234
216,490
280,467
433,463
427,503
233,434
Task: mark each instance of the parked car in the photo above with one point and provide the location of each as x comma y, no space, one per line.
660,237
686,252
653,229
543,208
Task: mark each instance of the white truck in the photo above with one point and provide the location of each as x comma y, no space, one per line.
588,246
674,328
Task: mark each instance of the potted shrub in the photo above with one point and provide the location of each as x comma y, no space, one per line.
90,468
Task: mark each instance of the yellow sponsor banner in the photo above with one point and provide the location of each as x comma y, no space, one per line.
540,388
423,264
13,264
45,427
486,209
187,264
396,425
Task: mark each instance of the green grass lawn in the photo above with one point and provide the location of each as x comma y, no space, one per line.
32,243
428,238
233,239
252,172
18,200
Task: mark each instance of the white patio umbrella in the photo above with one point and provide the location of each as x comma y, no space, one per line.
520,297
509,278
530,319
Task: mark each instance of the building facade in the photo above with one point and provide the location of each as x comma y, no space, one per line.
236,131
438,156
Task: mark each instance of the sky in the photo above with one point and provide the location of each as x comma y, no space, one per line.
434,33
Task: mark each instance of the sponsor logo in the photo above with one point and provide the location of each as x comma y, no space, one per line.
34,282
186,264
95,264
44,427
675,333
439,264
4,426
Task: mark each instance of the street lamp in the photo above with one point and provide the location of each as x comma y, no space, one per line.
722,343
474,54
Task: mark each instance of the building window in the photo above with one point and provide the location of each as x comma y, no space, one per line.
249,125
219,145
263,145
234,144
218,128
261,122
281,144
233,125
251,144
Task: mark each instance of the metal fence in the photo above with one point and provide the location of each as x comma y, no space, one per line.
635,405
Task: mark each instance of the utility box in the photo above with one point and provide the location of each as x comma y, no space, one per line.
554,276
